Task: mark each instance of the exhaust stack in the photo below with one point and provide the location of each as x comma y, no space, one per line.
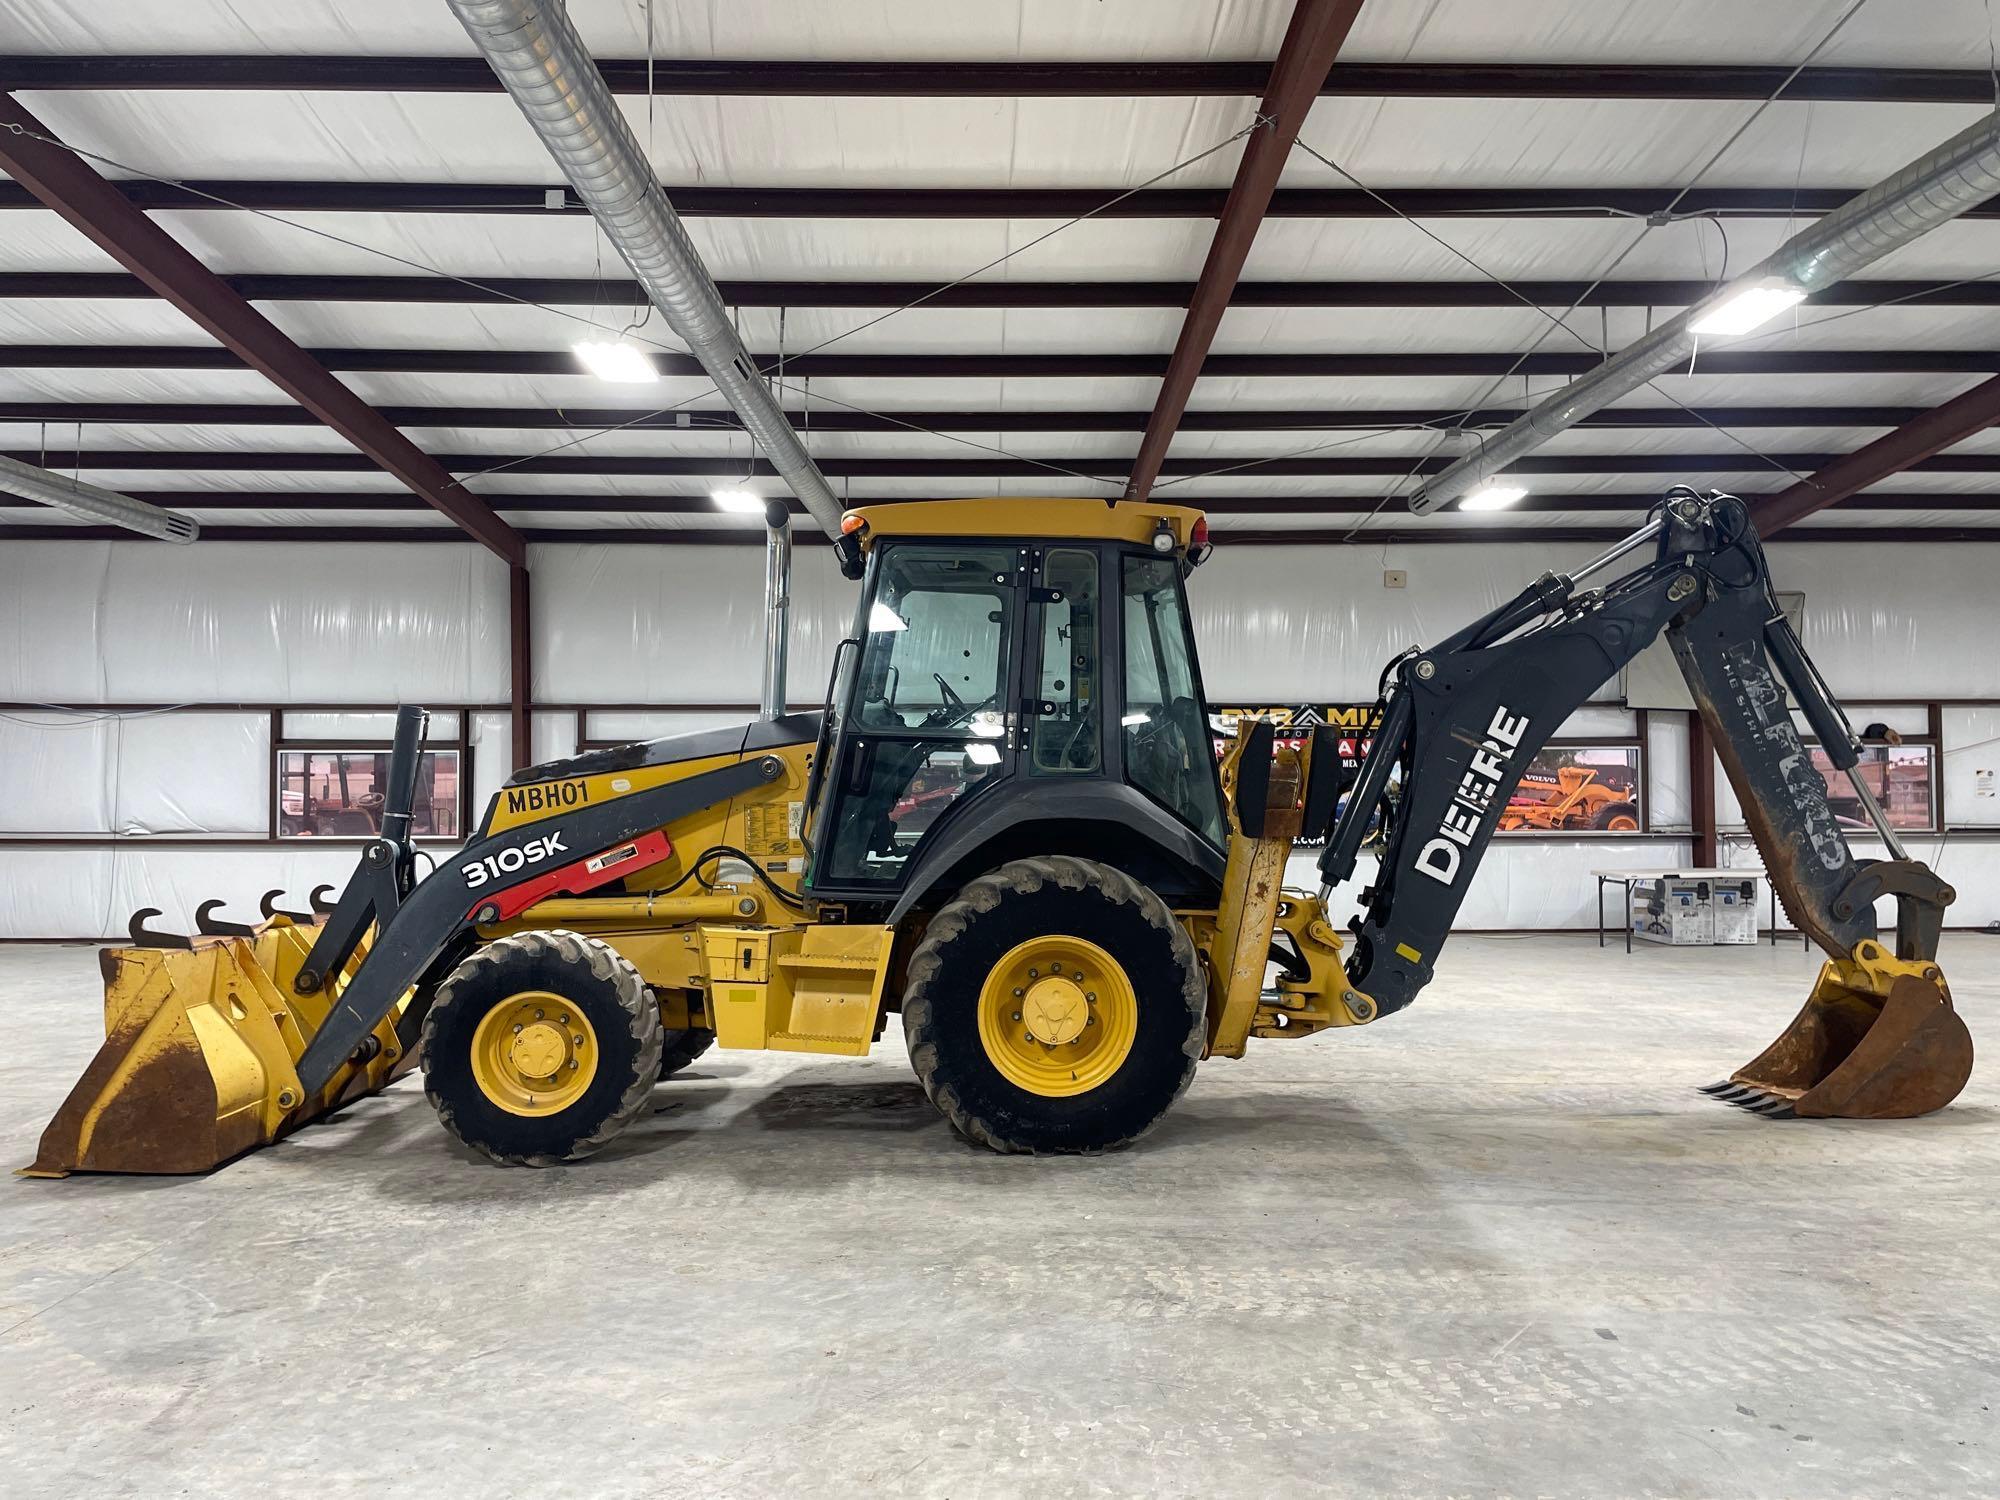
777,607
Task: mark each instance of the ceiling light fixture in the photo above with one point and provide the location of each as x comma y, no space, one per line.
738,502
1748,307
1492,495
617,361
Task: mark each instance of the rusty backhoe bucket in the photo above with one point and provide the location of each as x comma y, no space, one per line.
201,1040
1877,1040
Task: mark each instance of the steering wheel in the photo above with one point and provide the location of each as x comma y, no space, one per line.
955,711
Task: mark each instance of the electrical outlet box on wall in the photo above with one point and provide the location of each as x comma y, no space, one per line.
1395,578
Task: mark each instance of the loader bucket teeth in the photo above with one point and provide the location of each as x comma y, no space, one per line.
1871,1043
199,1062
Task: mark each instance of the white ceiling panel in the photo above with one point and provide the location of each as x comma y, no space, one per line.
708,140
1573,143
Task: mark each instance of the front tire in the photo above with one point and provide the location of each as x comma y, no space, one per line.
681,1048
1056,1005
541,1047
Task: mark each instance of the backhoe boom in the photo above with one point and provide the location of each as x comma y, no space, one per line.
1464,721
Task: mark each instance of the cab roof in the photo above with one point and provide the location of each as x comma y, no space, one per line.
1008,516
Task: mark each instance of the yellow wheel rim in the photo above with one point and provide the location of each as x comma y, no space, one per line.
1622,823
1057,1016
534,1053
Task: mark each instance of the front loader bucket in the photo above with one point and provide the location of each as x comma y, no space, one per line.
199,1057
1877,1040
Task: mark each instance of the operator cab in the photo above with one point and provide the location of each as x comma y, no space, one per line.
1014,663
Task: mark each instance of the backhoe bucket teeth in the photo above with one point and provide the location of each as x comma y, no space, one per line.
201,1042
1877,1040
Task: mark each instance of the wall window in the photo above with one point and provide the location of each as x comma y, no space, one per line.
1575,788
1903,779
339,793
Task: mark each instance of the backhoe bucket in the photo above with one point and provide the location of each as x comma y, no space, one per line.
201,1042
1877,1040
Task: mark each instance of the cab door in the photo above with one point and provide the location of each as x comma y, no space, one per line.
930,712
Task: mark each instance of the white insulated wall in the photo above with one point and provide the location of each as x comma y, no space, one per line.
337,623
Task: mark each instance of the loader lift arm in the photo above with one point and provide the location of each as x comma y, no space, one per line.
1463,721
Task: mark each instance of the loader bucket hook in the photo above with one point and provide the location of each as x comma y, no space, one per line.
209,926
150,937
319,902
268,905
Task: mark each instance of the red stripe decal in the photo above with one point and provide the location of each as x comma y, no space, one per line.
588,874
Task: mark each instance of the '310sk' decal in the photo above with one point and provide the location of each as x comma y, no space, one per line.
493,866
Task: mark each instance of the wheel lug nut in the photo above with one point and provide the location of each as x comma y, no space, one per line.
1017,995
517,1031
1034,973
563,1019
1090,1020
1017,1015
1090,997
539,1015
578,1040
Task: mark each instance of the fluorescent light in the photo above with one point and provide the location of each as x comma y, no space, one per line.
617,361
1748,307
738,502
1492,496
1132,720
881,618
982,754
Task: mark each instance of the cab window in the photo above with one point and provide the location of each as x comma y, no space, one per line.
1064,739
1167,748
928,722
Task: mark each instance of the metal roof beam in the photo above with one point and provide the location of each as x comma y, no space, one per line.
982,366
269,195
1917,444
1109,468
1317,29
66,183
836,419
984,79
586,291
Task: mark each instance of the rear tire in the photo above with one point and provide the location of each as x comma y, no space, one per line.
541,1047
1056,1005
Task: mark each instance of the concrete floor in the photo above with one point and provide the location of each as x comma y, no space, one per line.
1494,1246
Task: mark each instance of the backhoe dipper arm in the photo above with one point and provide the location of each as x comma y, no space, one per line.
1463,722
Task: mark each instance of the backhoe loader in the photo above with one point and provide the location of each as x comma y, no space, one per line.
1009,826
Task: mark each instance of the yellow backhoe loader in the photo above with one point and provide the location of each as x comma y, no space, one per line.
1007,825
